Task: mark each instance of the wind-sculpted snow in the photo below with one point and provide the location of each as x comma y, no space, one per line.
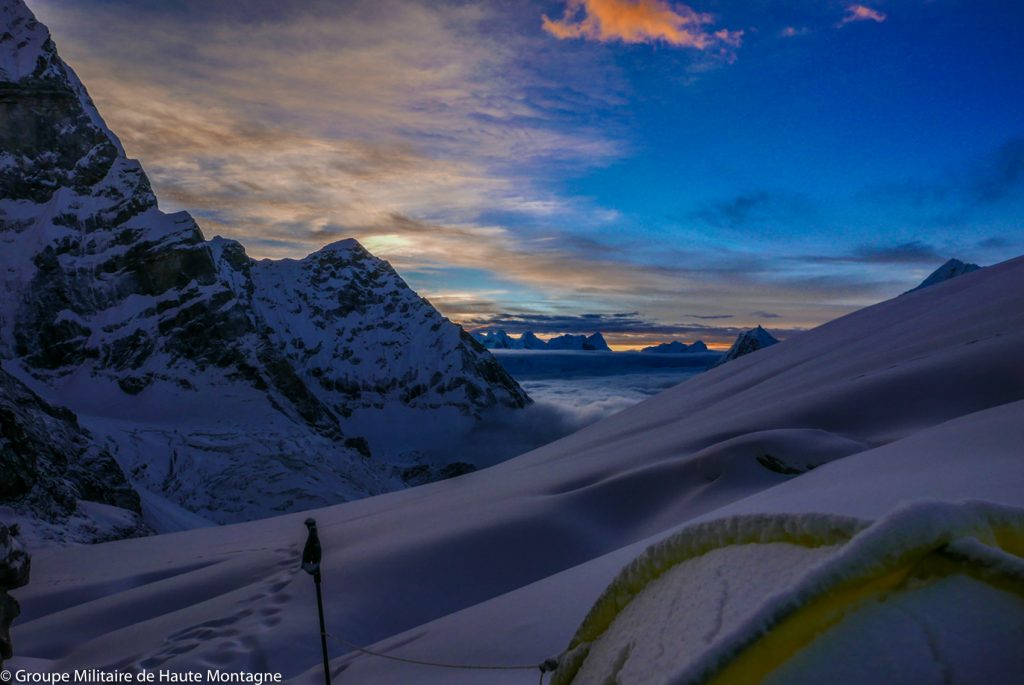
232,388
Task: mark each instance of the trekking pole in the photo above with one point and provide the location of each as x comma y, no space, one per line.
311,555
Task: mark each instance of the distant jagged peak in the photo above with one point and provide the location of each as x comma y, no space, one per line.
951,269
677,347
596,341
497,339
748,341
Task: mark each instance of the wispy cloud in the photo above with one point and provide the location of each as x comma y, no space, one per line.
1001,175
856,12
794,31
757,207
439,148
640,21
276,129
986,180
913,252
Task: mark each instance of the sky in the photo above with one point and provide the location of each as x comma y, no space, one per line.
654,170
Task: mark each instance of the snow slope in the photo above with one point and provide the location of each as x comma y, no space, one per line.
920,397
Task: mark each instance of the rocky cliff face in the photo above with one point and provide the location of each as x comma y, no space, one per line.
230,387
58,484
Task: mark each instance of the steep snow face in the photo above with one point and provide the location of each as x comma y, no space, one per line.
58,484
951,269
193,363
749,341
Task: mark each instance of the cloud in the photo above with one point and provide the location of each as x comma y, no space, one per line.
994,243
766,315
989,179
794,31
855,13
1001,175
756,208
291,127
640,21
913,252
274,126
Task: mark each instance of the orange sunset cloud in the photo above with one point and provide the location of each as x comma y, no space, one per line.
861,13
639,21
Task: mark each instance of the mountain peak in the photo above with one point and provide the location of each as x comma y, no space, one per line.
25,46
951,269
748,341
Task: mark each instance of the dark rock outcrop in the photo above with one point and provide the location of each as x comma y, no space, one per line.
748,341
15,567
50,465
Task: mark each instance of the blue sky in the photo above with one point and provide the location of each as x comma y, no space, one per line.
651,169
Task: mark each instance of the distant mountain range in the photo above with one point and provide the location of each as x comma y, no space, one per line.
500,340
677,347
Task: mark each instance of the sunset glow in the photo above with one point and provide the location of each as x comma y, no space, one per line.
652,169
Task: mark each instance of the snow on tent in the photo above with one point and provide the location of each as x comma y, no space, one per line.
932,592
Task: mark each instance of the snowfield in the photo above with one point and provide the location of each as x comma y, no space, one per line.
917,398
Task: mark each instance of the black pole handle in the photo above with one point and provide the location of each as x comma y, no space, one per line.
312,554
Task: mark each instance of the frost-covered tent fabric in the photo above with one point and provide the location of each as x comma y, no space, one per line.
931,593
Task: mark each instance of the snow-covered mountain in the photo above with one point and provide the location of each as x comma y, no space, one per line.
677,347
500,340
918,397
529,341
951,269
593,342
228,387
746,342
